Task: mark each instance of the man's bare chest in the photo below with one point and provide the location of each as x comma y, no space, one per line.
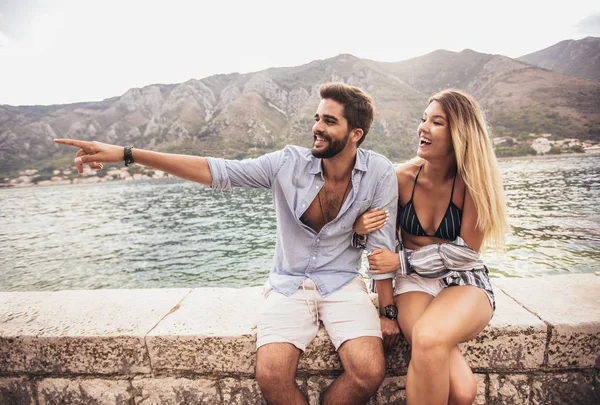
326,205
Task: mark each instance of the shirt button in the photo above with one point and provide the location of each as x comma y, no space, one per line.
314,258
318,240
317,187
303,205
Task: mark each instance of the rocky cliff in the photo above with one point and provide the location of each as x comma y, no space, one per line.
239,115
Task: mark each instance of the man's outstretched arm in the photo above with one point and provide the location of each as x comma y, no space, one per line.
187,167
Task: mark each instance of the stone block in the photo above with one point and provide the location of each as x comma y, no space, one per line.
569,303
569,388
513,340
481,389
175,391
398,358
391,392
316,387
16,391
214,330
320,354
83,332
241,391
509,389
83,392
203,354
80,355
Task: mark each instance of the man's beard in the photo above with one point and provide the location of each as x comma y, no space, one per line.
333,148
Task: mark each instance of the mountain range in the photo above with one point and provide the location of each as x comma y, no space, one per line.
555,90
575,58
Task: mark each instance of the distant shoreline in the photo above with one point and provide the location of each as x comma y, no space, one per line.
548,156
94,179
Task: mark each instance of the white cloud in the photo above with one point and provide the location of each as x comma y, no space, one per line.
589,26
69,50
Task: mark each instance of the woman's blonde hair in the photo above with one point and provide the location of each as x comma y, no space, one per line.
476,162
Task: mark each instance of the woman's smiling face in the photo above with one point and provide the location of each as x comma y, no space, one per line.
434,133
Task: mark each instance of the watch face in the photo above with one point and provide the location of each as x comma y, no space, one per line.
391,312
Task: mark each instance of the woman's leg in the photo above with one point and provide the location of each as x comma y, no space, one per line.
463,387
411,306
456,315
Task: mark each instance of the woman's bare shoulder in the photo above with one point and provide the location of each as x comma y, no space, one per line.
406,172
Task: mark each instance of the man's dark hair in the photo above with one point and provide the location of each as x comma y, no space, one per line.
359,110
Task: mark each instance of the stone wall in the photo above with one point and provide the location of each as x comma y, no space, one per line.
197,346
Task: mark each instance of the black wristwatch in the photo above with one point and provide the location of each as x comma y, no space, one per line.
390,312
128,155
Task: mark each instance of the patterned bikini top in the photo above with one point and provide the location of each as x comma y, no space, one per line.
449,227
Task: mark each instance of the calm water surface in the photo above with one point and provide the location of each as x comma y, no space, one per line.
171,233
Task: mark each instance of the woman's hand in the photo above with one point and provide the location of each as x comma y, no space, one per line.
383,261
371,221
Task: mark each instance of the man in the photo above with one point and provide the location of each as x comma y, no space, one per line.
318,194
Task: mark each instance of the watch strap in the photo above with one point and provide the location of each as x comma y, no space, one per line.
390,312
128,155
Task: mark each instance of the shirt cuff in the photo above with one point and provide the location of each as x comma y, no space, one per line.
218,171
384,276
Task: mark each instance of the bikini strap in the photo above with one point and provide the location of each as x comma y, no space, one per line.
415,185
453,182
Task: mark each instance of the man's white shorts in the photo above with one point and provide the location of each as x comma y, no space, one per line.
347,313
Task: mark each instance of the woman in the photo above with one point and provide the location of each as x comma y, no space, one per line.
449,195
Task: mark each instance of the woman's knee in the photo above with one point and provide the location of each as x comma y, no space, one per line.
426,336
428,341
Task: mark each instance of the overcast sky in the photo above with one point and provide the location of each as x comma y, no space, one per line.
62,51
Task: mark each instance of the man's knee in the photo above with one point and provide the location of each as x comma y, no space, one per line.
373,377
275,367
268,375
264,375
368,376
364,362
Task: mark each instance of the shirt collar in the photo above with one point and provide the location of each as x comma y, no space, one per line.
361,160
360,164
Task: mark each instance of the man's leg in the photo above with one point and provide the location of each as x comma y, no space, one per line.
364,371
276,365
353,325
286,325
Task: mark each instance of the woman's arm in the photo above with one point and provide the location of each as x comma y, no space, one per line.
468,228
383,261
371,221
